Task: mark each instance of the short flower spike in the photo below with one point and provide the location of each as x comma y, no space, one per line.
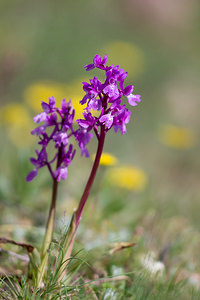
57,126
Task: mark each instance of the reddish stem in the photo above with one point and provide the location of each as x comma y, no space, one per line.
86,192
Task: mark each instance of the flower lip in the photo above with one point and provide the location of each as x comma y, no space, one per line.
107,120
133,100
42,117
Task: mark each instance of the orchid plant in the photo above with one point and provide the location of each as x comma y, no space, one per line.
56,126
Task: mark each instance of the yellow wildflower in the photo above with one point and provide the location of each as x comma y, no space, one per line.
177,137
20,136
127,177
107,159
75,93
127,56
41,91
18,124
14,114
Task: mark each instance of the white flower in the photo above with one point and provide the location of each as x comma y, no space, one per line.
149,263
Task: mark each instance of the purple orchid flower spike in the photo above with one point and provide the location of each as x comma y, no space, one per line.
107,97
56,125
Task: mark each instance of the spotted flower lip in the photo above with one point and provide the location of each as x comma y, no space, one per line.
42,117
133,99
107,120
111,91
60,138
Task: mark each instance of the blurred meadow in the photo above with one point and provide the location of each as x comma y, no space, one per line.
147,188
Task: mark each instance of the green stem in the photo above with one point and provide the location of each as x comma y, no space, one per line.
48,235
50,222
49,227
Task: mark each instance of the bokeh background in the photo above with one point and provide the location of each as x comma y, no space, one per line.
44,46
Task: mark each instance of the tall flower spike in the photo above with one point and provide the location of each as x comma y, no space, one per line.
107,97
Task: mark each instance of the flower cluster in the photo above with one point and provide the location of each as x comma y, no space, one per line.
57,124
57,127
106,98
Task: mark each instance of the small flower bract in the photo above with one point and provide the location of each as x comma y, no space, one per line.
17,121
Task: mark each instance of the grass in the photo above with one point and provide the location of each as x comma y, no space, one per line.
158,219
101,267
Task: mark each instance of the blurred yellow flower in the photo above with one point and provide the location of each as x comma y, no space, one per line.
75,93
14,114
41,91
18,124
128,56
127,177
21,136
177,137
107,159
